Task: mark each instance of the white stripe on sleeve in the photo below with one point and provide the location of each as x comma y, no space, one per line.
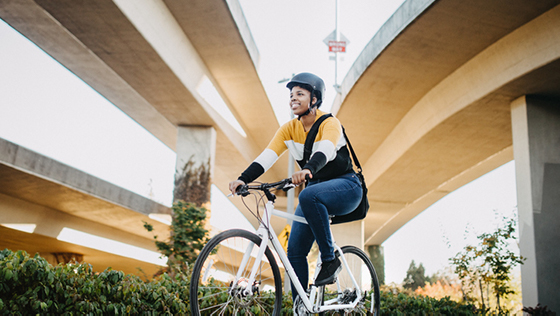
326,147
267,158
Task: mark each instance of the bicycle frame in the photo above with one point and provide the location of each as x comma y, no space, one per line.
311,302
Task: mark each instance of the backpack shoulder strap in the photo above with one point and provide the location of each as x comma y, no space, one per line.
307,148
354,157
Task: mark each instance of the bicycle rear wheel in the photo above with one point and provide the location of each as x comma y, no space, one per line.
342,290
212,288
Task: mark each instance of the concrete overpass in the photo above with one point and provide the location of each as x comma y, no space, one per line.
149,59
428,100
51,197
443,94
429,104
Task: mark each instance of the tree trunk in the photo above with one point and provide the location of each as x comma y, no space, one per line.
193,183
481,294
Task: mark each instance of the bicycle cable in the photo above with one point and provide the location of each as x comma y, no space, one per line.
259,198
259,203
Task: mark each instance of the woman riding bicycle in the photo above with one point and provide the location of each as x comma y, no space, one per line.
333,188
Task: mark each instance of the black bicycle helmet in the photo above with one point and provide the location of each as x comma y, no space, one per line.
310,82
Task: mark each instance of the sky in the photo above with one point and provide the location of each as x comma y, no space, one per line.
45,108
290,41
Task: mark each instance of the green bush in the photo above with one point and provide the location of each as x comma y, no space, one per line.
405,304
31,286
188,234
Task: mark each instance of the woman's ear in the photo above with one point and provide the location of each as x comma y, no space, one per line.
314,101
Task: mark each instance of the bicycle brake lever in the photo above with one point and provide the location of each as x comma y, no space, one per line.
288,187
242,190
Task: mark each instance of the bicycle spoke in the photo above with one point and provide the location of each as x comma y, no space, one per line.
223,309
222,306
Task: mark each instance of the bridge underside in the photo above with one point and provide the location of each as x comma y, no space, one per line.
427,104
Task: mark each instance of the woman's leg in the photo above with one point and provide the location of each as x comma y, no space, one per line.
299,244
337,196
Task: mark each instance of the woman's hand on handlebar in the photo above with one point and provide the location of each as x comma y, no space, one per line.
234,184
300,176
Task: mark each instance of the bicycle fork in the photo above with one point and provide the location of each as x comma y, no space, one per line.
262,232
251,281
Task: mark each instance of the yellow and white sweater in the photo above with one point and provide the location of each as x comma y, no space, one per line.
329,156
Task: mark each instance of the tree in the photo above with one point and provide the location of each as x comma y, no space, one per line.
192,184
489,263
188,235
415,277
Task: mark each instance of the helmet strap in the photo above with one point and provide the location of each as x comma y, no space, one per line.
304,114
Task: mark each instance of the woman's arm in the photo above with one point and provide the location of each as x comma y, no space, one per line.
325,145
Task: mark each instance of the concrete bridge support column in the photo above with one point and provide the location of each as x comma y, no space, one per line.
536,145
196,150
377,257
350,234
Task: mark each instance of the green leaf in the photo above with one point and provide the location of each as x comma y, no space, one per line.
8,274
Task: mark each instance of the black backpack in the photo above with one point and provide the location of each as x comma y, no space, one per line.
361,211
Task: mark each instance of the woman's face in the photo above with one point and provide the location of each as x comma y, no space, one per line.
299,100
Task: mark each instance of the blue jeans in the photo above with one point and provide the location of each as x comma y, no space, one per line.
317,201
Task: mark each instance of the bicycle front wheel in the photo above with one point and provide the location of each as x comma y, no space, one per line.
214,290
343,290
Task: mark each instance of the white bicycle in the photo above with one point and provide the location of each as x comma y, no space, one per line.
236,273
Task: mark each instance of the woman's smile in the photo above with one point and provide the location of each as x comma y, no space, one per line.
299,100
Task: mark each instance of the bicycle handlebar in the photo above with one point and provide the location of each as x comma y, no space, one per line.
284,185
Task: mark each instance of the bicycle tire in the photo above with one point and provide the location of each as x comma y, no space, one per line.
214,272
358,261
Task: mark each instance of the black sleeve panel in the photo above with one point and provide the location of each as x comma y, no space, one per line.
342,164
252,172
317,161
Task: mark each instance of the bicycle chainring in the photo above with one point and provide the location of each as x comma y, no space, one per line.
348,297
